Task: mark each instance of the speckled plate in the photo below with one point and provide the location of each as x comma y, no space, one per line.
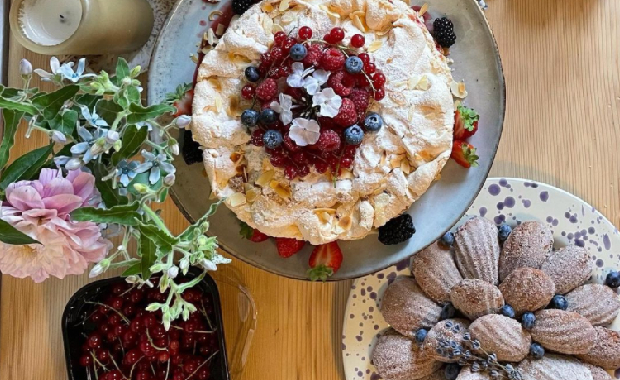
572,221
477,62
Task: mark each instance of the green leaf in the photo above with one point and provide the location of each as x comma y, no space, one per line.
126,215
87,100
178,93
64,122
189,231
140,113
147,253
163,195
163,240
132,141
121,99
133,270
107,110
122,70
25,166
18,106
246,231
52,102
11,123
133,95
109,194
10,235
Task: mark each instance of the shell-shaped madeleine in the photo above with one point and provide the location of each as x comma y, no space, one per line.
568,267
399,358
502,336
476,298
406,308
563,331
527,289
476,250
447,330
598,373
467,374
435,272
528,245
554,367
596,302
606,350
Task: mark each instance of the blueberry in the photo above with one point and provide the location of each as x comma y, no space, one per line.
452,371
354,135
537,351
503,231
420,335
448,311
252,74
298,52
268,116
447,239
558,302
353,65
373,121
249,118
272,139
508,311
613,280
528,320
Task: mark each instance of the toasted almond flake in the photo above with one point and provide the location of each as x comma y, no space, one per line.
395,161
251,195
325,209
375,45
265,178
389,60
218,103
220,29
287,18
281,189
211,38
397,97
358,23
266,7
400,84
329,12
215,14
357,13
423,9
423,83
410,113
383,159
194,58
345,222
346,174
458,89
324,217
405,167
284,4
277,28
215,83
236,200
234,18
206,50
457,103
210,108
248,187
412,82
380,189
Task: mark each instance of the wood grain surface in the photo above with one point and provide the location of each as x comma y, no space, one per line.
562,67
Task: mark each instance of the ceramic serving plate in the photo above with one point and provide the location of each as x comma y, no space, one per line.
572,221
477,63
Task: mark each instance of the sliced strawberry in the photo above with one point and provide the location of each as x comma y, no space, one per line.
325,261
289,247
465,122
252,234
184,105
464,154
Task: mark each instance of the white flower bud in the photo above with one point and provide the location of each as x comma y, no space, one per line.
59,137
98,269
131,279
175,149
112,137
208,265
173,272
25,67
183,121
184,264
169,180
73,164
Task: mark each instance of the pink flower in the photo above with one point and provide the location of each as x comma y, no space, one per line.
40,209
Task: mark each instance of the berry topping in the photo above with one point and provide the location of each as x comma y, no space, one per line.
347,115
257,137
447,311
272,139
364,57
332,59
337,34
252,74
558,302
267,116
313,58
508,311
247,91
325,260
464,154
288,44
537,351
528,320
373,121
353,65
447,240
369,68
335,82
397,230
354,135
328,141
289,247
267,89
239,7
279,38
443,31
420,335
379,94
378,80
305,33
503,231
465,122
289,144
298,52
252,234
358,41
613,280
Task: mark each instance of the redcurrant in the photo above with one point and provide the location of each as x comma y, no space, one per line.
379,94
86,360
94,340
247,91
357,41
279,38
370,68
337,33
305,33
378,80
364,57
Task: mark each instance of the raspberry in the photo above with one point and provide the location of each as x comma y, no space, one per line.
314,55
290,145
267,89
335,82
257,137
362,81
327,123
332,59
347,115
290,172
294,92
321,166
276,54
349,80
303,171
301,158
328,141
360,98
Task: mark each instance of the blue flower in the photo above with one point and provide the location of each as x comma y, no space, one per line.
66,70
156,164
84,151
126,171
92,118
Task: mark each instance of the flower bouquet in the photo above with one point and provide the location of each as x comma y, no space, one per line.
108,161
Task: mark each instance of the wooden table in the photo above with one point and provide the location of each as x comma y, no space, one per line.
562,67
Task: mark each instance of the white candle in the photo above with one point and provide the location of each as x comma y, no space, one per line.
81,26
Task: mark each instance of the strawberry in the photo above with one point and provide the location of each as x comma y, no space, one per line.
465,122
325,261
252,234
184,104
289,247
464,154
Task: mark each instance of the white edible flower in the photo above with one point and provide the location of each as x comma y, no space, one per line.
25,67
74,76
305,132
183,121
173,272
54,66
296,79
329,102
98,269
59,137
283,107
208,265
313,84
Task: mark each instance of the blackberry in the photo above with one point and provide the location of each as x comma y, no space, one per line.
191,149
397,230
443,31
239,7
